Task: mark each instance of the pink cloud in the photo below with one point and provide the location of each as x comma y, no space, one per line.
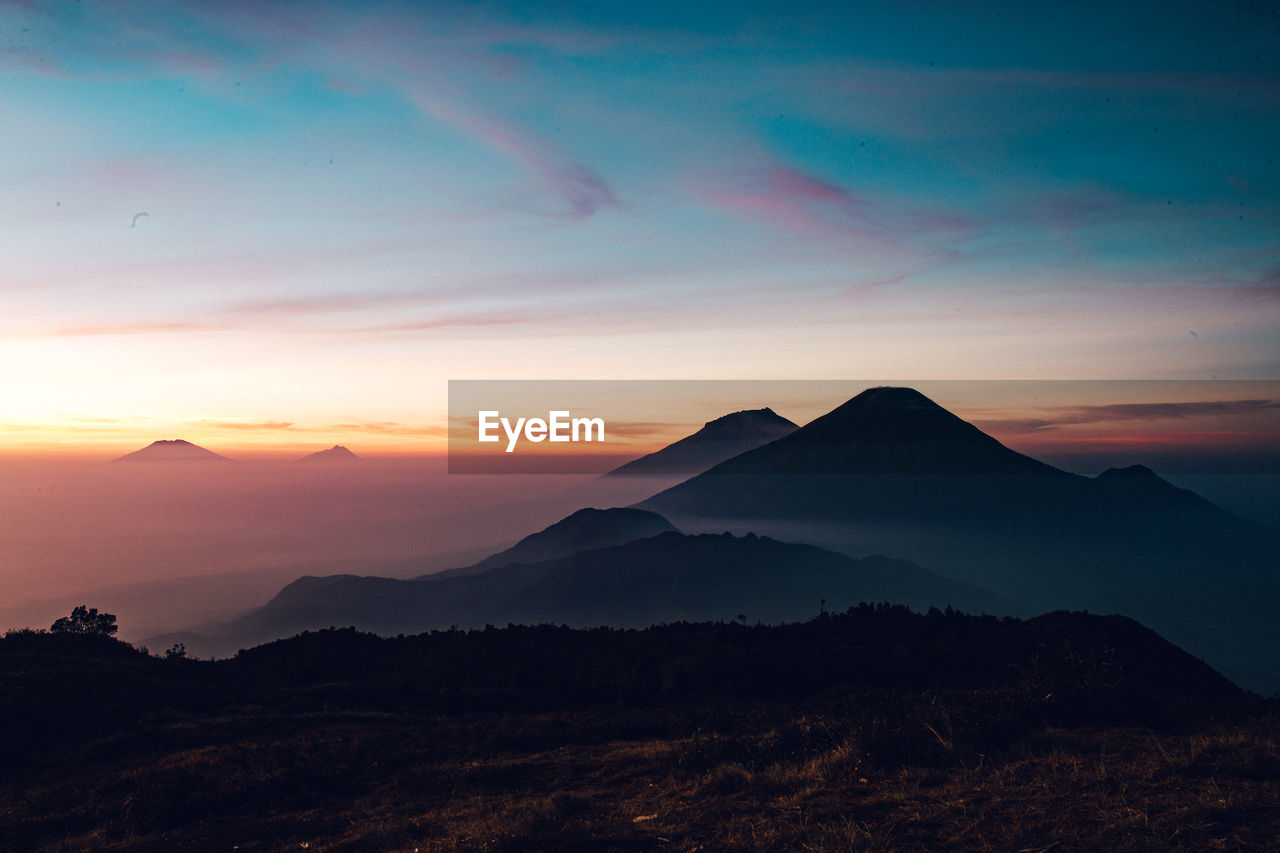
125,328
321,304
799,201
478,320
580,187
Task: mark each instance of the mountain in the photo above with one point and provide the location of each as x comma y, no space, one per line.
172,450
337,453
718,440
1141,486
890,471
663,578
584,530
888,452
891,457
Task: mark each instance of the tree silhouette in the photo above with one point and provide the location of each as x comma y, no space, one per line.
86,620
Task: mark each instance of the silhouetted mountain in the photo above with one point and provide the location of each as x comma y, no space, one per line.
888,431
887,452
892,472
718,440
172,450
337,453
891,455
584,530
1144,488
663,578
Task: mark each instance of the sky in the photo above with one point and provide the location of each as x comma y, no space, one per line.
285,225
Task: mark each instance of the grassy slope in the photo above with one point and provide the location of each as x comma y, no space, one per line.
1084,734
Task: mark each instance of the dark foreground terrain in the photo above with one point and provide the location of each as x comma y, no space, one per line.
876,729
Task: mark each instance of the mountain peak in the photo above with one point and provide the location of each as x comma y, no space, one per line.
172,450
718,440
761,416
886,430
337,453
1140,482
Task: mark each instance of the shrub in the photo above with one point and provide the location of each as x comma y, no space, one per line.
86,620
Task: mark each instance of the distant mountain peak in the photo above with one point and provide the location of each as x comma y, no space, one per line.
1154,490
172,450
337,453
718,440
900,394
765,415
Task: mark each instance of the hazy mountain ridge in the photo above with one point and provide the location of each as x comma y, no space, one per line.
584,530
718,440
664,578
888,472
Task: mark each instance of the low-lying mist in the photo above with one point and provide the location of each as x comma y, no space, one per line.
168,545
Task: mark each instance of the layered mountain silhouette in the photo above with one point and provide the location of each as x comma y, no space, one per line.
665,577
172,450
337,453
718,440
890,471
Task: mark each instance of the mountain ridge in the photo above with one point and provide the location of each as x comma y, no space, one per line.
668,577
584,529
719,439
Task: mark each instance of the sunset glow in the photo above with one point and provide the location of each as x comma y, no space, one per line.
272,226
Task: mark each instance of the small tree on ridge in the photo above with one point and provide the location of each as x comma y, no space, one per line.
86,620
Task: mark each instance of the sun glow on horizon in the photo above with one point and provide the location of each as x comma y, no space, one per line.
259,225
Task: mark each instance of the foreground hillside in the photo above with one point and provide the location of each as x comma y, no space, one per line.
874,729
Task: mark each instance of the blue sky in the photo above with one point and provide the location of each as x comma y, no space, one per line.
349,204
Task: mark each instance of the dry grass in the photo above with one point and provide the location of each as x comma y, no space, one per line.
1064,790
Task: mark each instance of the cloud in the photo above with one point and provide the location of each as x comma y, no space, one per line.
233,425
381,46
93,329
798,201
320,304
478,320
391,428
1075,415
582,190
